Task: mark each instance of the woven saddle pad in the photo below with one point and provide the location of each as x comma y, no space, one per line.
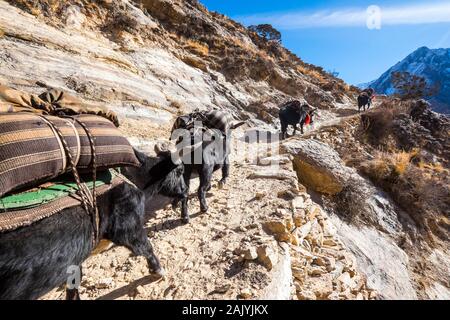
25,208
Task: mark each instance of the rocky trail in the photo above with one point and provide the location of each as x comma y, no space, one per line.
270,232
262,238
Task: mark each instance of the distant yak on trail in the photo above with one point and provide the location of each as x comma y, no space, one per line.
365,99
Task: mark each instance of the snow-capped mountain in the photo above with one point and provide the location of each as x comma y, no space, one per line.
431,64
365,84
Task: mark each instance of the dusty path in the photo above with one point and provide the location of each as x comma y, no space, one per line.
215,256
199,258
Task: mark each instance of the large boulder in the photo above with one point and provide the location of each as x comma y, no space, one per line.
318,166
385,264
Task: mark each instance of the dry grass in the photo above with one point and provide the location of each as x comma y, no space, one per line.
388,166
401,161
2,33
197,47
36,8
314,74
434,167
422,190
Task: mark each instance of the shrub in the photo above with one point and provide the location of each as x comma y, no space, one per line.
410,86
350,204
377,126
388,166
422,191
378,123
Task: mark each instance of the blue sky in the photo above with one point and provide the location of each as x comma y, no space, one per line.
334,34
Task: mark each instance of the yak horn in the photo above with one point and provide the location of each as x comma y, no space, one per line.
237,125
163,147
168,148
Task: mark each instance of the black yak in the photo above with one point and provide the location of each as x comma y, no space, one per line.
293,113
205,138
35,259
365,99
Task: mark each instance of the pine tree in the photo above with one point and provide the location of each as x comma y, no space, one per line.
267,32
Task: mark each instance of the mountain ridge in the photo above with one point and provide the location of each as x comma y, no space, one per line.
431,64
269,230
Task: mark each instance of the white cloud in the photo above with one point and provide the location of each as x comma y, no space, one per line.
354,17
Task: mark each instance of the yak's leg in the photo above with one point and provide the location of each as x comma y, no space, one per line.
226,161
141,246
184,201
72,294
301,128
225,171
205,181
295,130
283,132
126,227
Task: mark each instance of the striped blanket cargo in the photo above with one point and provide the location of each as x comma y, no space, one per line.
214,119
219,120
31,151
53,102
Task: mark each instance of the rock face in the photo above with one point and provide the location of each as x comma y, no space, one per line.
280,286
385,264
423,129
383,261
152,58
318,166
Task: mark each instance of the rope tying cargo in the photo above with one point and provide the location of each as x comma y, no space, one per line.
88,199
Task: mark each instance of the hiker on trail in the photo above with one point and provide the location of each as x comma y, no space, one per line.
52,102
